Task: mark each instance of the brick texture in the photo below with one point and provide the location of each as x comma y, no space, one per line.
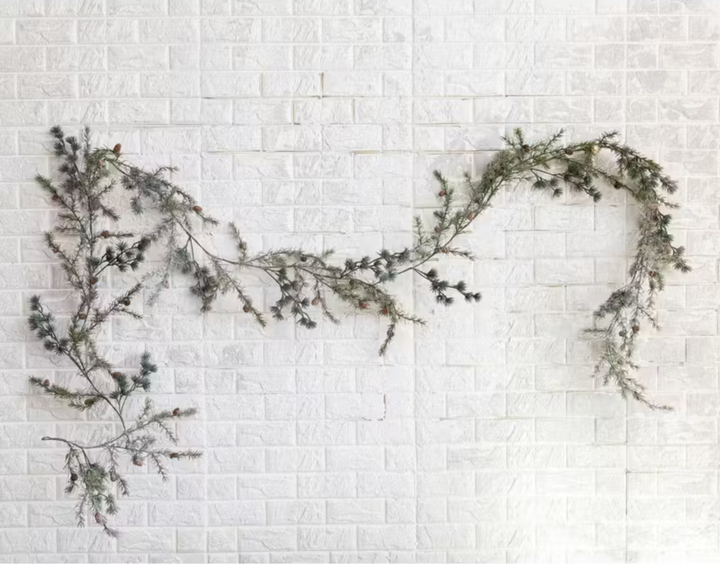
481,437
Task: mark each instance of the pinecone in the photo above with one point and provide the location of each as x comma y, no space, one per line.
246,308
105,234
197,209
46,383
176,412
117,148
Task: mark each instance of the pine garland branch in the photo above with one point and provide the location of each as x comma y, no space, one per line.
84,222
306,282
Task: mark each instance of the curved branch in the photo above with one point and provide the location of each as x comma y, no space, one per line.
306,281
548,165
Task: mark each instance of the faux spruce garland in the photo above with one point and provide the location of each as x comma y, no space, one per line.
88,244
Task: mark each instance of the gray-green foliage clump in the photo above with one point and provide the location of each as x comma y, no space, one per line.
88,243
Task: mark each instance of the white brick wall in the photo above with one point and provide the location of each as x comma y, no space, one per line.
318,122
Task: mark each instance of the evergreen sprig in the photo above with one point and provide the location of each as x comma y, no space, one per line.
85,221
306,282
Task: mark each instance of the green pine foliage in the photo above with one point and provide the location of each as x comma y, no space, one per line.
86,249
87,242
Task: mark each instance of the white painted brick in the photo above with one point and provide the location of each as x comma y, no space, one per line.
171,85
230,30
528,81
322,57
45,31
267,538
230,85
131,58
389,484
235,513
638,55
108,31
326,538
563,110
667,28
691,55
605,29
295,512
510,536
295,30
529,29
291,84
553,56
350,83
391,57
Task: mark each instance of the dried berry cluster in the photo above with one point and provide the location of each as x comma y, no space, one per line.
87,243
